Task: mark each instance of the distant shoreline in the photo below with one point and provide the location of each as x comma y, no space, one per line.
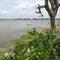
30,19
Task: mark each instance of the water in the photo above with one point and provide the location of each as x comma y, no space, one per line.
12,29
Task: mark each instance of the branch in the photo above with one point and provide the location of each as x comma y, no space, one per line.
47,7
41,6
53,7
58,5
46,2
48,10
39,9
52,3
56,2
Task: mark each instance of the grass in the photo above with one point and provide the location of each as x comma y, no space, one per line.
4,50
47,29
58,23
25,38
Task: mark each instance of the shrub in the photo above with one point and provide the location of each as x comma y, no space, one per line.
42,47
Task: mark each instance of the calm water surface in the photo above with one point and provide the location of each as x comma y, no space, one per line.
12,29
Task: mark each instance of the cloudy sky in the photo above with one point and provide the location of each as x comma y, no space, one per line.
21,9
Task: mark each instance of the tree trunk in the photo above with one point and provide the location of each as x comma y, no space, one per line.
52,21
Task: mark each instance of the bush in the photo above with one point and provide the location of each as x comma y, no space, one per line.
42,47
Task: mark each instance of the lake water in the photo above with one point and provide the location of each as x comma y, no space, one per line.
12,29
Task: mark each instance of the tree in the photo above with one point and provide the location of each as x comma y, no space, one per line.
52,11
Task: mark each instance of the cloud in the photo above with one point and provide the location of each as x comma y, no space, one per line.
41,2
1,0
3,11
21,9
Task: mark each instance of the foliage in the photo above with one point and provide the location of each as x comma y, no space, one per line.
41,47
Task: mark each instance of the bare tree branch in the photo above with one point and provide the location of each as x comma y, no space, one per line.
46,2
39,9
52,11
56,2
58,5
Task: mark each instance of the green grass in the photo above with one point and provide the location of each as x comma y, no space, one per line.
48,29
4,50
25,38
58,23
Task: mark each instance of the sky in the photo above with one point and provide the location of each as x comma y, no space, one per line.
10,9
